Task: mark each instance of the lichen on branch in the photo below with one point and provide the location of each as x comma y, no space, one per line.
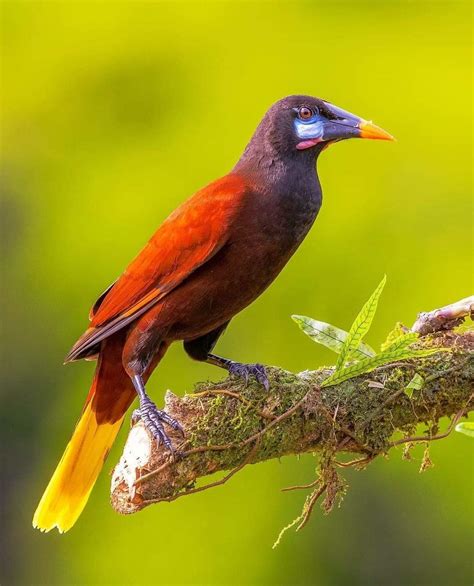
229,425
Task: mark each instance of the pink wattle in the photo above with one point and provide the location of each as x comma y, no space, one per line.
306,144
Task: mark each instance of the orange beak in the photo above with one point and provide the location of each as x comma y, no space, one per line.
369,130
338,125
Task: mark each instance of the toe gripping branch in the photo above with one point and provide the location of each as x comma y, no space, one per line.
245,370
242,370
152,417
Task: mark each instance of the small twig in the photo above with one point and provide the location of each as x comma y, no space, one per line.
238,396
223,480
154,472
391,365
443,373
355,463
400,391
454,420
301,486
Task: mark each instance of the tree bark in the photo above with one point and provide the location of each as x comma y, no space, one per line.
228,425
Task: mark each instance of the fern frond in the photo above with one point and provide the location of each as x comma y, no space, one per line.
360,326
330,336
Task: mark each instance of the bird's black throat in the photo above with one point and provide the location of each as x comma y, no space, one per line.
286,180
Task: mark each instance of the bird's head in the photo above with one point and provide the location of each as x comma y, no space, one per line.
298,123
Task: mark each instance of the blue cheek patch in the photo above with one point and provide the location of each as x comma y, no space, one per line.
310,129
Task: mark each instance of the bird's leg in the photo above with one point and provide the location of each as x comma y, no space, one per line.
201,349
153,417
241,370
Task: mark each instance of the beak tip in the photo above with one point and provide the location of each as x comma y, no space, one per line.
370,130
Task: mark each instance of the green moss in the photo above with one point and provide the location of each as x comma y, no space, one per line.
358,412
371,413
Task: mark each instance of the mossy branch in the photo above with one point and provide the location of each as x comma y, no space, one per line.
229,425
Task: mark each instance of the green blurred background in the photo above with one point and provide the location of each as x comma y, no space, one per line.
111,114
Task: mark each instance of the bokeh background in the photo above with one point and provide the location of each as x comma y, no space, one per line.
111,114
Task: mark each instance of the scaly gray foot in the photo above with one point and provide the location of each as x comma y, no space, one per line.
246,370
154,418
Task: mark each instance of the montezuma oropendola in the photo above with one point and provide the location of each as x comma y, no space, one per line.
211,258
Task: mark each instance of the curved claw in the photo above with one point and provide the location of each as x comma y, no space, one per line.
153,418
245,370
261,376
171,422
136,416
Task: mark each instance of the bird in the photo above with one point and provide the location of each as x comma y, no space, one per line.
212,257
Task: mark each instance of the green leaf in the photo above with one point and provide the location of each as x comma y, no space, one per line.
360,326
415,384
398,331
368,364
329,335
466,427
401,342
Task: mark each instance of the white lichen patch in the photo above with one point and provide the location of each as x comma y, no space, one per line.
136,455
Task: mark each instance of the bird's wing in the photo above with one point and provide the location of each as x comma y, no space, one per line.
189,238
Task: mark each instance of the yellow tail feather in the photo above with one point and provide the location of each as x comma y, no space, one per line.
75,476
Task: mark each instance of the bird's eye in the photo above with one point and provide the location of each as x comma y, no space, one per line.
305,113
